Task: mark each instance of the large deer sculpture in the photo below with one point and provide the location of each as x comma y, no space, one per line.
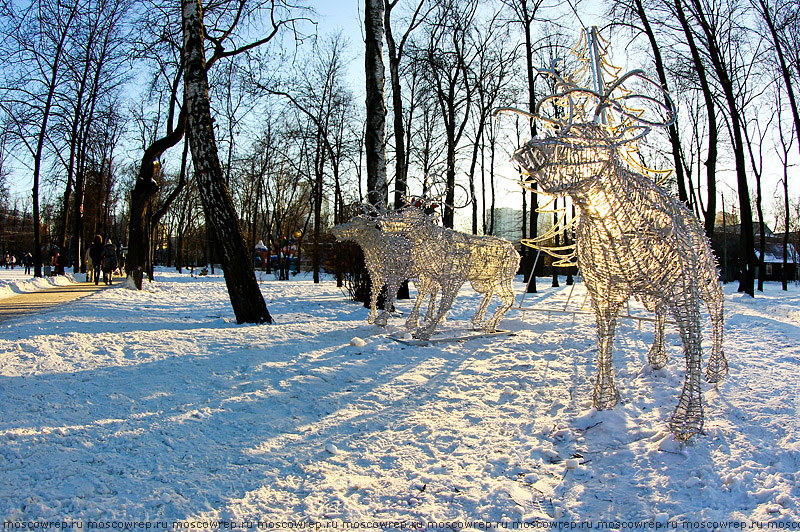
632,237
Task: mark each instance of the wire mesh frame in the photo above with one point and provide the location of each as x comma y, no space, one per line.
632,238
450,258
389,263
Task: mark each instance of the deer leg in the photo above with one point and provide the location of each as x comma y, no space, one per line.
430,314
477,318
657,356
448,297
687,420
605,394
391,294
422,292
717,368
506,292
373,298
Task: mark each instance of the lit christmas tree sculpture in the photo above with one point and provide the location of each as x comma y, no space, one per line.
632,238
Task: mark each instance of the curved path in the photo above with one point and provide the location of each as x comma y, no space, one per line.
29,302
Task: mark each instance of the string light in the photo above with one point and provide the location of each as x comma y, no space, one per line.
389,262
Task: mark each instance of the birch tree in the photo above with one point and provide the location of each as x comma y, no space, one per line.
375,134
221,218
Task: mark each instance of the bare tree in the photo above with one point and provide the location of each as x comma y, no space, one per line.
446,58
395,53
635,14
526,14
785,140
225,232
755,149
160,43
39,34
491,75
426,150
776,15
721,42
698,66
95,74
319,94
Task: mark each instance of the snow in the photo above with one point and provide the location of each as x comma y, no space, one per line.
156,405
14,282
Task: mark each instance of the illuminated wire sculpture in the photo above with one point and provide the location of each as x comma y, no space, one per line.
389,262
632,238
450,258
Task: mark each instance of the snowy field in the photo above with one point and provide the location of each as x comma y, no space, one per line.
156,406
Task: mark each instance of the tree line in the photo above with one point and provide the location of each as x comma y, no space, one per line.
181,128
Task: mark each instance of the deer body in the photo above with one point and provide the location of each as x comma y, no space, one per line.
450,258
634,239
389,262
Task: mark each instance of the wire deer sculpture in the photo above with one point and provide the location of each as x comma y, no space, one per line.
389,262
450,258
632,238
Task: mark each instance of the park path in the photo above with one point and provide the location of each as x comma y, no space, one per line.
30,302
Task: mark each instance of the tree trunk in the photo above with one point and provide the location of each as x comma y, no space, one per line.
377,189
785,269
476,146
37,158
448,219
748,259
400,166
225,233
534,231
708,97
674,138
531,74
137,262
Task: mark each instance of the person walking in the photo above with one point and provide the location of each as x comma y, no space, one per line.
96,253
109,259
27,260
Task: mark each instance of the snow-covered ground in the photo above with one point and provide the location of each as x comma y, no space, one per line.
14,282
156,405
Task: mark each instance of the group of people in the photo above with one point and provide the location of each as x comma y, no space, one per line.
101,257
9,260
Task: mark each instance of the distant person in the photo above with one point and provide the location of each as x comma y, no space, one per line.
27,260
109,260
59,262
89,263
96,254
